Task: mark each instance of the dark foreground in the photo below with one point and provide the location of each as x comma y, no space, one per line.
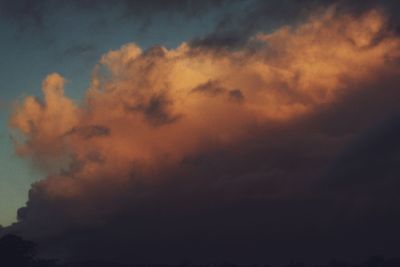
16,252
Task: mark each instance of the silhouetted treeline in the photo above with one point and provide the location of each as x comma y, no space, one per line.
372,262
17,252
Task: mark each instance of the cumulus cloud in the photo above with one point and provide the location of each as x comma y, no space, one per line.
174,150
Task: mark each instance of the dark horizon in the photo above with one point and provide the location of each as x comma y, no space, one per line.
16,252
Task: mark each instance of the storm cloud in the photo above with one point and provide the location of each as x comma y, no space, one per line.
283,147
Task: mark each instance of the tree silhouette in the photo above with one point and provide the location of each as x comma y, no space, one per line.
17,252
14,251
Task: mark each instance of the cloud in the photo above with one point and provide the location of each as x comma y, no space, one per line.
213,155
79,50
210,87
233,28
90,131
37,15
27,12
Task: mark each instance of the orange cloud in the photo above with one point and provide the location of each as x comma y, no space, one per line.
145,111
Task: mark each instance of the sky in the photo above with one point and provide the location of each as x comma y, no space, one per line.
70,42
248,131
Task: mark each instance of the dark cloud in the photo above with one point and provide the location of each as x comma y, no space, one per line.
90,131
211,88
236,22
236,95
155,51
156,110
219,40
314,189
79,50
35,14
234,28
26,13
319,185
189,8
242,18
